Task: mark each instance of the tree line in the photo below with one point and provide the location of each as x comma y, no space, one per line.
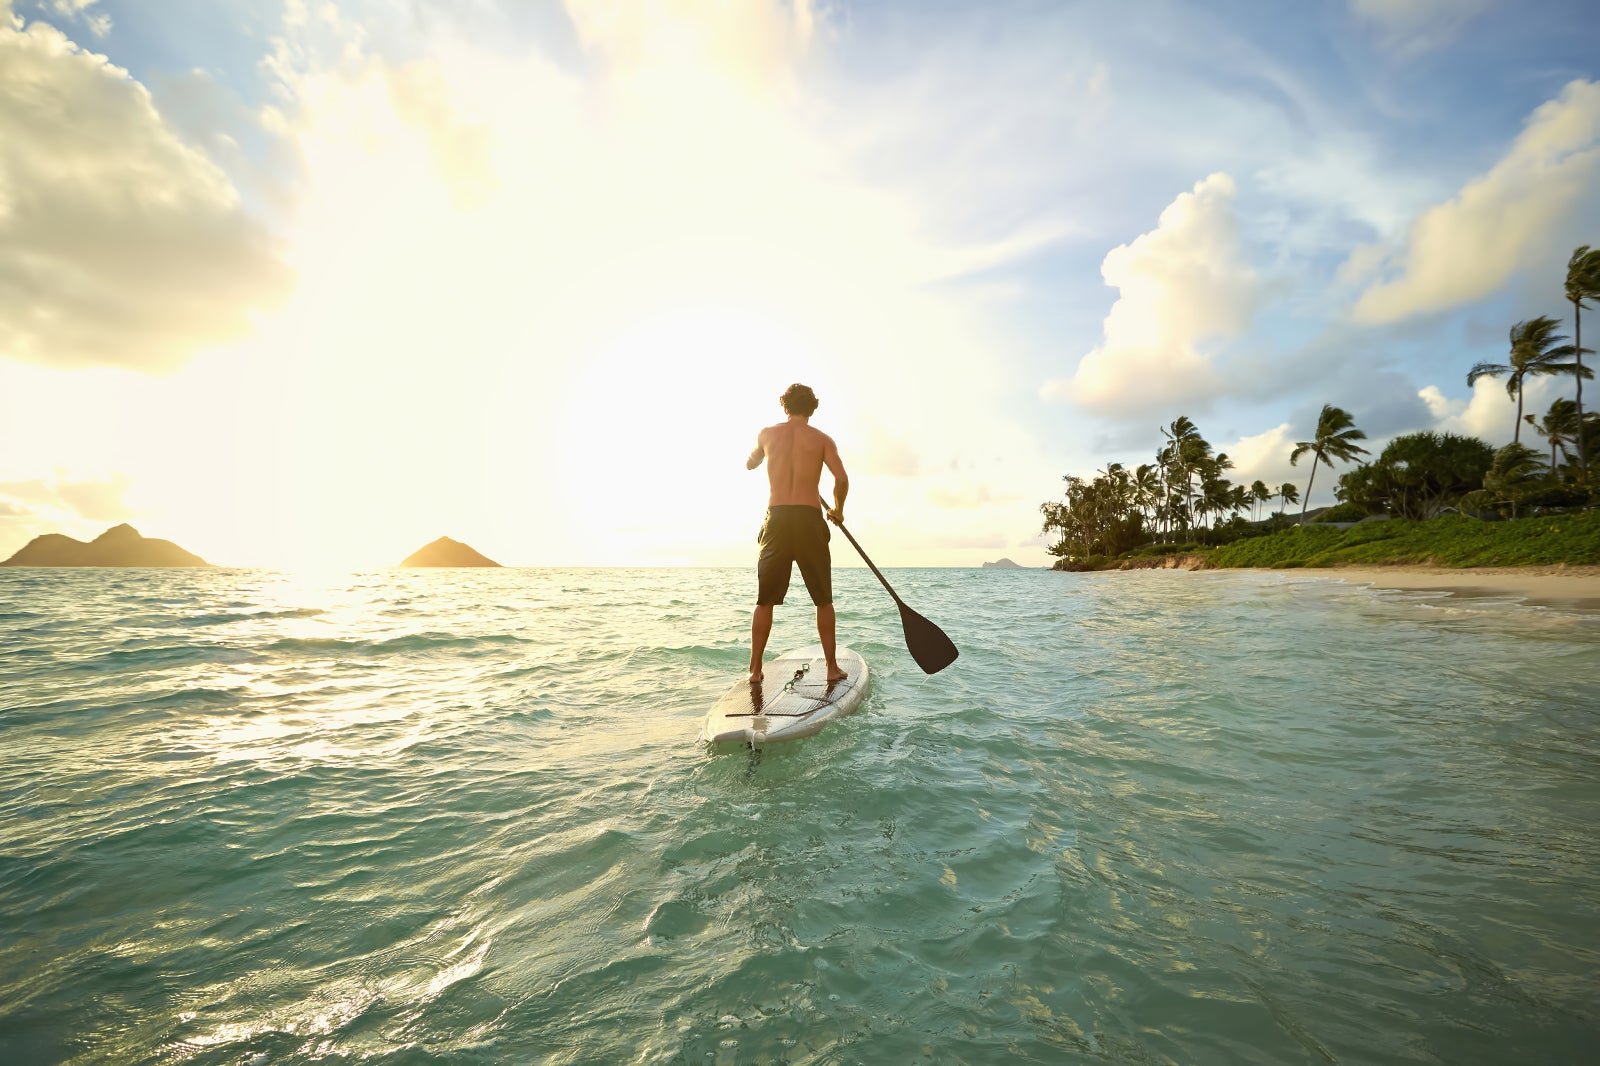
1184,494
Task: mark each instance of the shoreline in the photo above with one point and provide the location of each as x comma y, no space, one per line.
1568,587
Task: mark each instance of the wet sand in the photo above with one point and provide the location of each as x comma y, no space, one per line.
1569,587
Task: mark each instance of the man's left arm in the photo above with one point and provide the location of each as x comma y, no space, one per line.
756,455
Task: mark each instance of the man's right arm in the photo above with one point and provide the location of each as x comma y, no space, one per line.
841,482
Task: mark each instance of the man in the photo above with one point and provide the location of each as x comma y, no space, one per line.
794,531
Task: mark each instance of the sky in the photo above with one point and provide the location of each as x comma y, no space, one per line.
303,284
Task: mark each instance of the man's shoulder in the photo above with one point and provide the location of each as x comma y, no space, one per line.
805,431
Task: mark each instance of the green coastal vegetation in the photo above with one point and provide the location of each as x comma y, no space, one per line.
1438,498
1452,540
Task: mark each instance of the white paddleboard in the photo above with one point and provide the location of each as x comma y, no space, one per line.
793,700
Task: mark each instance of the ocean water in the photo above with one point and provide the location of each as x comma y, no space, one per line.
461,816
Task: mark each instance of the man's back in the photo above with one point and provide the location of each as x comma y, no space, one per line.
795,454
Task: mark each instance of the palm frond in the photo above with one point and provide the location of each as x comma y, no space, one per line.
1583,275
1585,372
1486,370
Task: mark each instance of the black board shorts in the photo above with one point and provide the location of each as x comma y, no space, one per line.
794,533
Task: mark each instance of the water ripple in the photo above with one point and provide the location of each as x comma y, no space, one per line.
403,816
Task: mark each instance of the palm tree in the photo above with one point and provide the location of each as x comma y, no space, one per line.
1214,497
1288,494
1184,448
1240,500
1535,349
1146,489
1559,426
1259,494
1336,439
1583,283
1516,473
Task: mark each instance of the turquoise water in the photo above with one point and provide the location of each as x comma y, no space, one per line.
461,816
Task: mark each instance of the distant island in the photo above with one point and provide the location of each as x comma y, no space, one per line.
118,546
1004,564
447,552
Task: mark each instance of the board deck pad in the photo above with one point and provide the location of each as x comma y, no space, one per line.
793,699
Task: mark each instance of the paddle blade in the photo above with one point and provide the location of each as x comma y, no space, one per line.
926,642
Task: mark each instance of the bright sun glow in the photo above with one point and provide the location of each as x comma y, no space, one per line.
540,317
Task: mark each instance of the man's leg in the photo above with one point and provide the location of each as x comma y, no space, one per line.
816,566
760,629
826,624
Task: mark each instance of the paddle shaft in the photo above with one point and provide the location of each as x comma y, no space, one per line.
873,567
927,643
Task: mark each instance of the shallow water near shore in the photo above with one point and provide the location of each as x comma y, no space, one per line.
461,816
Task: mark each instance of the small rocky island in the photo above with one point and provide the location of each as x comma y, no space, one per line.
447,552
118,546
1003,564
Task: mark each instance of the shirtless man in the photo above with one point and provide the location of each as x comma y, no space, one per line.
794,531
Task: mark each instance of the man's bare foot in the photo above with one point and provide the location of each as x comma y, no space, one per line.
836,673
755,676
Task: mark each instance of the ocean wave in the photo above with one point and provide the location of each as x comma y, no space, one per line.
412,642
229,617
1140,819
142,655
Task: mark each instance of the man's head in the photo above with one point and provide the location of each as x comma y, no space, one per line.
799,400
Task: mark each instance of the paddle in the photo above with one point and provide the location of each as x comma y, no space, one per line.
926,642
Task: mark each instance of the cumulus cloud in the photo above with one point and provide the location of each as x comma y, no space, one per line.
1489,413
1262,456
119,244
1486,414
1524,211
1182,285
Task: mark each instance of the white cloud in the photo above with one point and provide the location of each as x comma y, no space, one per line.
1440,406
1490,411
1520,213
1412,26
1331,187
1181,285
62,501
888,454
99,22
757,43
961,497
1262,457
119,244
61,497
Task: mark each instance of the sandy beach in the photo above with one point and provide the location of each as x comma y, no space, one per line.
1549,586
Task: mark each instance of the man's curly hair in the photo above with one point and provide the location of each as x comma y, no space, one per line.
798,399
